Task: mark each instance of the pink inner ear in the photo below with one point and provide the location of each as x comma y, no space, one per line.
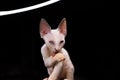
63,30
44,28
45,32
62,26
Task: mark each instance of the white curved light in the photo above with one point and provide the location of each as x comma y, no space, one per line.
2,13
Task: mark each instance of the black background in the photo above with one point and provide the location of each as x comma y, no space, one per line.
88,40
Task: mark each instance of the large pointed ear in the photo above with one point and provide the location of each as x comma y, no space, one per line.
44,27
63,27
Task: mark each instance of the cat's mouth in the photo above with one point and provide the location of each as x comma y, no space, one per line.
55,52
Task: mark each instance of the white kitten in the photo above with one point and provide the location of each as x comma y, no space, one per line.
55,57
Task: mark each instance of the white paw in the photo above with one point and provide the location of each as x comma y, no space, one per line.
45,79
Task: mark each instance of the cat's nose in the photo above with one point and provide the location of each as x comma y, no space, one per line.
56,50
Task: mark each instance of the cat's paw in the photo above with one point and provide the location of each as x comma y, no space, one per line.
45,79
59,57
52,78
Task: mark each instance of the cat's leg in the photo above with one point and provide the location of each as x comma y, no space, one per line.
70,74
45,79
50,70
56,71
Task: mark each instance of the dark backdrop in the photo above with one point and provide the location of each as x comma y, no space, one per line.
86,42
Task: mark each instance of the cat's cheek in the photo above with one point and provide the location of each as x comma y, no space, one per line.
51,47
62,46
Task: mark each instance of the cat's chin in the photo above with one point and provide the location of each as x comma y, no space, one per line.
55,52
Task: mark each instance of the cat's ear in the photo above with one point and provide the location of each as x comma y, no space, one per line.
63,27
44,27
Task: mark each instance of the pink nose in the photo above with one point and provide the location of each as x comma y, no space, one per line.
56,50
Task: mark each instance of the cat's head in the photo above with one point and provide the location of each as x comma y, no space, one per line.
54,38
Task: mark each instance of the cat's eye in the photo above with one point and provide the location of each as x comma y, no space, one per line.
61,42
51,42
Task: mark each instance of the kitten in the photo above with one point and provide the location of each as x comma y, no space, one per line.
55,57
